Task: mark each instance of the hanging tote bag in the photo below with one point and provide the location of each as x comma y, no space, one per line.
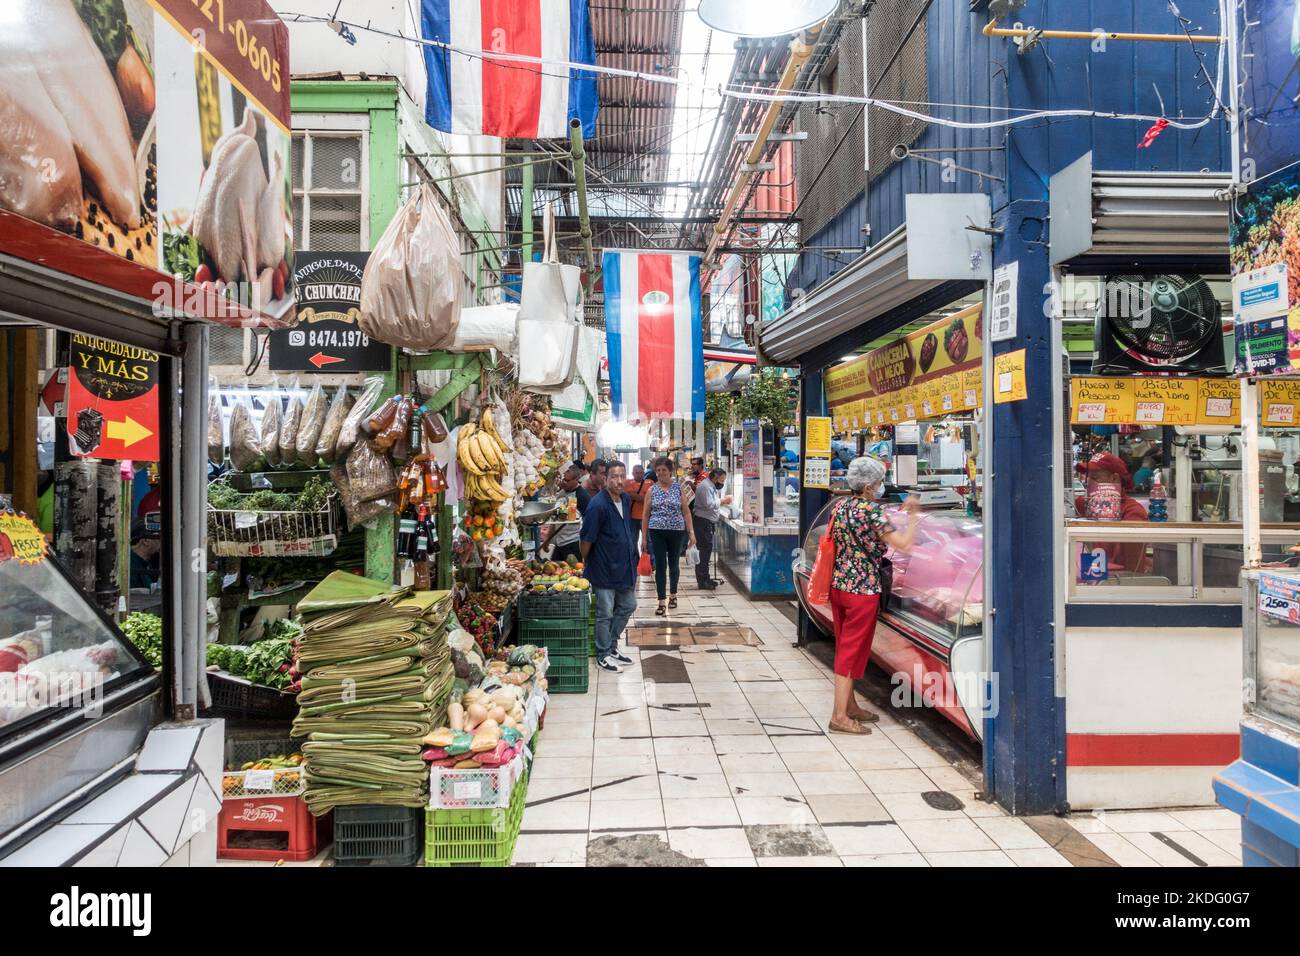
819,584
550,318
411,288
644,567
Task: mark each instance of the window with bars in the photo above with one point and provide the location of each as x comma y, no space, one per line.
330,190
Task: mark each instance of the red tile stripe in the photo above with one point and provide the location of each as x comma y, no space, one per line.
1151,750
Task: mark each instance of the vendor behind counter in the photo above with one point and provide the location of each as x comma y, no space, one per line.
1107,499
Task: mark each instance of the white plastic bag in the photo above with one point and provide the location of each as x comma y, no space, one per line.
550,317
692,556
487,327
411,289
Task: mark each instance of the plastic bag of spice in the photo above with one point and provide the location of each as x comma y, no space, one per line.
371,481
271,429
365,403
289,426
329,435
245,449
309,428
216,441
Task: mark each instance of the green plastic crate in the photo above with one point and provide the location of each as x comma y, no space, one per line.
474,837
562,638
568,675
376,836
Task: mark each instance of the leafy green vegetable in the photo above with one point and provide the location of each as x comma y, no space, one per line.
145,631
268,500
268,662
230,659
223,497
315,495
108,26
181,256
281,629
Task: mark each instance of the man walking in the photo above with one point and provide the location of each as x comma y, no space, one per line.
708,499
610,555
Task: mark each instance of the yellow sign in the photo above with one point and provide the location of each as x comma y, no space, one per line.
972,388
1278,400
1102,401
1009,377
1219,402
1165,401
20,540
817,436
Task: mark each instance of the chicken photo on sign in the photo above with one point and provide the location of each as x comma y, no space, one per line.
77,120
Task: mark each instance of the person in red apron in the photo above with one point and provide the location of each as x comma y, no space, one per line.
1107,473
862,533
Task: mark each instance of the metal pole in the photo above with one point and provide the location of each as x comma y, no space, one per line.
193,550
580,180
526,214
1250,509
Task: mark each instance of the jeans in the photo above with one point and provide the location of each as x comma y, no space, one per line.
704,530
666,547
613,609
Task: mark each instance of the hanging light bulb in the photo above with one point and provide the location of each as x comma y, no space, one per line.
764,18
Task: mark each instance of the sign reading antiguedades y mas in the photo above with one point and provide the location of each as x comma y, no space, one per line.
112,400
327,338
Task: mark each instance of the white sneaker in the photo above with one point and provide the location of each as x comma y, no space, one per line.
620,657
606,664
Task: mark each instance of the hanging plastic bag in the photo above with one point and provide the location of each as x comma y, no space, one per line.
819,584
311,425
244,447
577,406
216,440
271,429
362,408
371,480
487,327
289,425
644,567
411,289
329,435
550,317
692,556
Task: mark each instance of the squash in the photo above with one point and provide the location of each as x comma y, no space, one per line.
475,714
456,716
497,713
489,726
466,765
474,695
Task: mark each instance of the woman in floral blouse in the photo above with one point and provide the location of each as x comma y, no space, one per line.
862,533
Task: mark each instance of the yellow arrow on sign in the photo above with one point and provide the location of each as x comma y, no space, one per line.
129,431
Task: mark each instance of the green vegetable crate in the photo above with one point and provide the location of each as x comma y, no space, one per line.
568,675
237,697
561,638
591,631
474,837
377,836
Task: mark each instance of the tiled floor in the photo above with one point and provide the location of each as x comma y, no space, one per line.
733,768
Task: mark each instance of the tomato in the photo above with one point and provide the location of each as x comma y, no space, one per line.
277,284
203,274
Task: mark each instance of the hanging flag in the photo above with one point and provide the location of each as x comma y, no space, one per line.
653,334
478,95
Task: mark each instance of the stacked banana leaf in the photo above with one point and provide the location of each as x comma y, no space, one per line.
377,674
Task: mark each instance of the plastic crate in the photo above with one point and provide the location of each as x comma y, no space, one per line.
560,637
236,697
568,675
377,836
474,837
549,605
284,819
486,788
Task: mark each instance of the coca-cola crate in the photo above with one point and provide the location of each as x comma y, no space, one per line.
284,820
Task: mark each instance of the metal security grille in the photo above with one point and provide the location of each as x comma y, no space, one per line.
226,346
896,72
329,192
830,162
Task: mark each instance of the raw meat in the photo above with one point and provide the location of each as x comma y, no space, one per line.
78,82
39,175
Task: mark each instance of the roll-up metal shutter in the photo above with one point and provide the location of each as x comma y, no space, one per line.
1105,213
872,285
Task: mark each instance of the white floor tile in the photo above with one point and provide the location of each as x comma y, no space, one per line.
1011,834
1040,856
752,763
813,783
980,858
701,843
706,812
745,744
851,840
897,781
693,787
784,861
557,815
551,848
627,815
756,811
886,859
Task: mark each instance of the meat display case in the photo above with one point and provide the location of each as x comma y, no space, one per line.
76,697
932,609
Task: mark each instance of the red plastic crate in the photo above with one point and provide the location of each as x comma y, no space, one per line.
306,834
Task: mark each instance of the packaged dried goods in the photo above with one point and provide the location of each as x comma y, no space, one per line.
245,449
216,443
311,425
271,429
289,427
361,410
329,435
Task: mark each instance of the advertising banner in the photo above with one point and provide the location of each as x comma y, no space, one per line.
112,400
158,131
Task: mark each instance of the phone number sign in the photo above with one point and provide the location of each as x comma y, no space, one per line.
327,338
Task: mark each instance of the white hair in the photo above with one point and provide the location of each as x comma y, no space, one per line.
864,472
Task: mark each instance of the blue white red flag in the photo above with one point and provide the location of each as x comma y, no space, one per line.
534,91
653,334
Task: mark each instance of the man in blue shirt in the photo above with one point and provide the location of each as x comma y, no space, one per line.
609,550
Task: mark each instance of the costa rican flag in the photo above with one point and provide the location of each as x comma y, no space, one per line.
653,334
531,97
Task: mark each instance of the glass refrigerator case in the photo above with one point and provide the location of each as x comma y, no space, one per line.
1272,646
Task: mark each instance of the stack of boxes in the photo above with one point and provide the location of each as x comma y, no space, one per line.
561,622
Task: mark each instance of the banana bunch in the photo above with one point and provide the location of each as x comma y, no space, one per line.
482,454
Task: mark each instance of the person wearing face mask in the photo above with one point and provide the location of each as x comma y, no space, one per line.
862,533
708,499
1107,499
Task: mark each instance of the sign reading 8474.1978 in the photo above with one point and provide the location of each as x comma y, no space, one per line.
327,338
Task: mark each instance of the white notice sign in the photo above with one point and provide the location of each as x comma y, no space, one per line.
1002,323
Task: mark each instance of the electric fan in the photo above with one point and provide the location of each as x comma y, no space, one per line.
1168,323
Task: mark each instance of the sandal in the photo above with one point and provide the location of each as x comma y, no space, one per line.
672,602
852,728
864,716
661,611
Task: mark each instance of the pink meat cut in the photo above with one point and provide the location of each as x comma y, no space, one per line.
236,180
39,176
82,90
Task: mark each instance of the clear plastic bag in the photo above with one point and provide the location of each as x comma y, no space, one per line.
371,481
361,410
271,429
329,435
289,426
245,449
216,440
311,425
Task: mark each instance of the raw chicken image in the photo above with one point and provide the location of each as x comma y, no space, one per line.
49,44
239,214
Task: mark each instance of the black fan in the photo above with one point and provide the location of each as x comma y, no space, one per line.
1169,323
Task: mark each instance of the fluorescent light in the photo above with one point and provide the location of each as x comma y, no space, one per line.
764,18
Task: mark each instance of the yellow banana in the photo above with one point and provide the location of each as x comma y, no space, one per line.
475,447
491,453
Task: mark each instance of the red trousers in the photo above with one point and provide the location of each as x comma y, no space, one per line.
855,627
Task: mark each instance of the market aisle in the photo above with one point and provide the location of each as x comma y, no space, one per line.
715,754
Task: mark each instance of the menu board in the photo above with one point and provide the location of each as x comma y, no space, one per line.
1166,401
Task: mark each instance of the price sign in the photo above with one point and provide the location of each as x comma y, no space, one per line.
1010,385
259,781
1150,412
1090,413
1280,415
947,403
910,409
1278,399
1102,401
327,338
1220,401
927,409
817,435
1177,398
817,472
971,398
